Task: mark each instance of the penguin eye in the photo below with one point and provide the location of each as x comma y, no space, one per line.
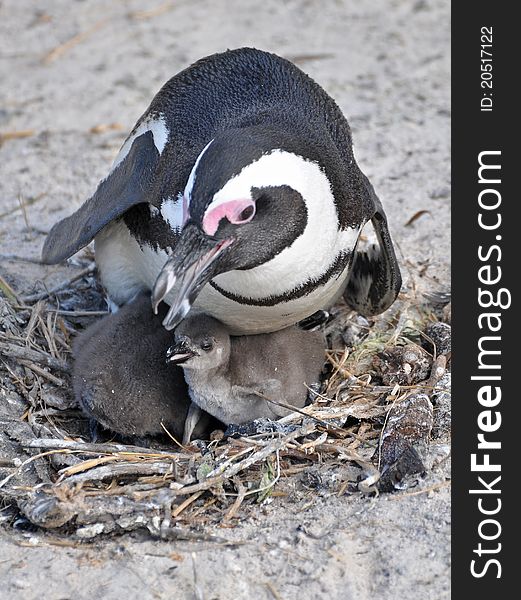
206,345
246,214
242,211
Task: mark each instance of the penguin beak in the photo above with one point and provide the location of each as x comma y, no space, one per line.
193,265
179,353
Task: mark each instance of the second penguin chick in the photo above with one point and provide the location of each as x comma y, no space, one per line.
121,381
230,377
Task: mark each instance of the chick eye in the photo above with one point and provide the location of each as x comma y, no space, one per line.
207,345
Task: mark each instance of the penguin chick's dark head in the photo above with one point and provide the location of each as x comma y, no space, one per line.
201,342
254,194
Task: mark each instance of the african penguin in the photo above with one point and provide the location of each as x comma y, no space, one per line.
238,192
121,381
234,377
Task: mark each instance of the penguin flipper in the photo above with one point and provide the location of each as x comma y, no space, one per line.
125,187
375,280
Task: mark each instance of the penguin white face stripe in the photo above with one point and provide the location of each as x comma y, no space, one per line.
313,251
155,124
191,180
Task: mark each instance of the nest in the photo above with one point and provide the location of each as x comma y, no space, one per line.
371,416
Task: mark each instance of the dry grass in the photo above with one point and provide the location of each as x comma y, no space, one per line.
87,489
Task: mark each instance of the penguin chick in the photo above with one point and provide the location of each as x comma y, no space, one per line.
232,377
121,380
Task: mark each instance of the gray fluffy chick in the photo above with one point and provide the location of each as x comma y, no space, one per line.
230,377
121,380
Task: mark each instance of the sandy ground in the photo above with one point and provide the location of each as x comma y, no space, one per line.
386,62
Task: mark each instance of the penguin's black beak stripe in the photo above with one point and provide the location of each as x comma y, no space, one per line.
193,264
179,353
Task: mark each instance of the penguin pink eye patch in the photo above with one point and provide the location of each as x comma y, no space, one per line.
236,211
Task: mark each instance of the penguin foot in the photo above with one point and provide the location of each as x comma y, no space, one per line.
314,321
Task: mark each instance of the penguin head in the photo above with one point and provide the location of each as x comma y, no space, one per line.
244,203
201,342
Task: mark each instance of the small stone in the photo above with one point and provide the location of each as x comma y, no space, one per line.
402,365
439,338
409,425
90,531
441,400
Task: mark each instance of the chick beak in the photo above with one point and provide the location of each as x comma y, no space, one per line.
192,264
179,352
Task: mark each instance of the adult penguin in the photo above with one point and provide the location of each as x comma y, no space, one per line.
238,191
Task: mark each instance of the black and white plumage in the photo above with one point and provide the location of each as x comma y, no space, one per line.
121,380
234,377
237,190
